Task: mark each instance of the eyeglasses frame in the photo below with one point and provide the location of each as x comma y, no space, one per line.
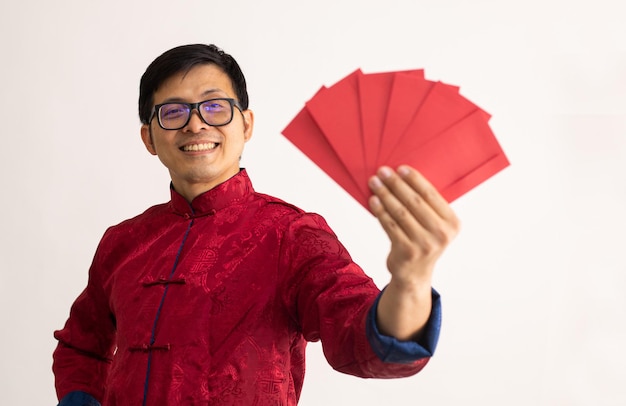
196,106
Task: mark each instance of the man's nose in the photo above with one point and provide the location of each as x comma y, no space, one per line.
196,123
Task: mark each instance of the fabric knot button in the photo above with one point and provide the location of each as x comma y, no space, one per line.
164,281
149,347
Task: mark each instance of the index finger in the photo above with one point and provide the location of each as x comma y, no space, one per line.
427,191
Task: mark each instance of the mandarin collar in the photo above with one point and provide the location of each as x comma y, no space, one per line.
232,191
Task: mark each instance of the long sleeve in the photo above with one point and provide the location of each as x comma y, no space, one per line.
390,349
332,298
84,353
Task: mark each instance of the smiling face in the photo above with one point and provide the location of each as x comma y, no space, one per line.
198,156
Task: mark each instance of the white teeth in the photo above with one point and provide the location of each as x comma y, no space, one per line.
200,147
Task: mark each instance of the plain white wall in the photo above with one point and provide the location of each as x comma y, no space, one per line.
533,288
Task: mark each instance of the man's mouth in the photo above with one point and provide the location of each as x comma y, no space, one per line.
199,147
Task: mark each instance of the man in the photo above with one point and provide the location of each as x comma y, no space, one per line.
211,297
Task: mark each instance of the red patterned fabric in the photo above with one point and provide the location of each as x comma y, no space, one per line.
213,302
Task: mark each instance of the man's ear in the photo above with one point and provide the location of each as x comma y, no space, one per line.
248,124
146,137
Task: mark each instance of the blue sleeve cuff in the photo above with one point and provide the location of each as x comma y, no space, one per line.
78,398
390,349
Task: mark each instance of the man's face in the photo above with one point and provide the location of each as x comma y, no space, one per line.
198,156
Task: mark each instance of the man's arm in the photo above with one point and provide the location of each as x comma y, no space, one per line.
86,343
420,224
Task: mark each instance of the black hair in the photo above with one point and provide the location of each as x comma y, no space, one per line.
182,59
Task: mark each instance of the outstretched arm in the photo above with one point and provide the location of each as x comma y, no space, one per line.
420,224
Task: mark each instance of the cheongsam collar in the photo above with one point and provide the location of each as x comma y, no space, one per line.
233,191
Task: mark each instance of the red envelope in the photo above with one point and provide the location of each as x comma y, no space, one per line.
374,95
394,118
459,158
340,122
304,133
408,92
374,91
442,107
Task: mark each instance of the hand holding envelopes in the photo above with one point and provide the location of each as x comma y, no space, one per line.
365,121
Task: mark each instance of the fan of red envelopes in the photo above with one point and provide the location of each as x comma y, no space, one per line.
365,121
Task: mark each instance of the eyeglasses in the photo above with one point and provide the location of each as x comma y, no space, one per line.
214,112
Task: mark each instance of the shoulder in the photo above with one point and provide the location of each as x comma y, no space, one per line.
291,213
299,229
275,204
138,222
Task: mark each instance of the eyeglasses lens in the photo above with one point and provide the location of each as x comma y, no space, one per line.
173,115
216,112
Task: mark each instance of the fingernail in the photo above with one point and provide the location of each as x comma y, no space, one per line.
385,171
374,202
403,170
375,182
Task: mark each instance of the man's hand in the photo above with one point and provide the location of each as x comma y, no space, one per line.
420,225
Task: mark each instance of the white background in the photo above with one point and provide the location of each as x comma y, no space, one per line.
533,287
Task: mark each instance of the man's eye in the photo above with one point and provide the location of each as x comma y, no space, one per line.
214,107
173,112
